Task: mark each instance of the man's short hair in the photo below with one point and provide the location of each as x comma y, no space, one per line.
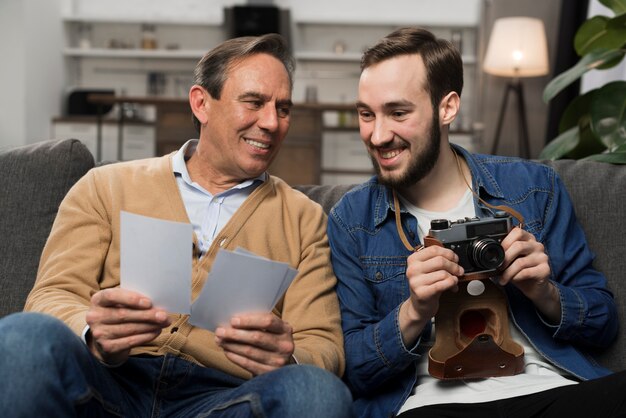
444,66
212,70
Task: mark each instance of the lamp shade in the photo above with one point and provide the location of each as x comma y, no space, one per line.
517,48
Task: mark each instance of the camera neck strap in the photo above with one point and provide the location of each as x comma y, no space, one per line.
396,203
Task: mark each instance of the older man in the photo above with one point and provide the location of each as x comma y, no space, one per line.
135,359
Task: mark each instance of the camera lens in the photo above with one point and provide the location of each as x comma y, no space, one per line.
487,254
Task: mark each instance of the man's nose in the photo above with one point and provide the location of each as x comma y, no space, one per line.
268,118
381,134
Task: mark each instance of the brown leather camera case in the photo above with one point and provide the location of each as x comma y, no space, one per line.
472,336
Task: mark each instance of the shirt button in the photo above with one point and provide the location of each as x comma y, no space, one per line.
378,275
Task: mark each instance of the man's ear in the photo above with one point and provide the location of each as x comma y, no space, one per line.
449,108
199,102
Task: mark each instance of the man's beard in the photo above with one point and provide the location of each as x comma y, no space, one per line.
422,164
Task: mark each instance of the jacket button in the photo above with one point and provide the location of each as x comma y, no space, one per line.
378,275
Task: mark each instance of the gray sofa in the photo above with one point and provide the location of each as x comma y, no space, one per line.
34,179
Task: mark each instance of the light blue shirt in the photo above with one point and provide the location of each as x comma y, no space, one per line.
208,213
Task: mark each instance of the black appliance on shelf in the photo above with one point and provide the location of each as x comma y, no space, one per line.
78,103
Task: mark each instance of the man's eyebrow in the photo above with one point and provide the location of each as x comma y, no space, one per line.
284,103
264,98
397,104
389,105
252,95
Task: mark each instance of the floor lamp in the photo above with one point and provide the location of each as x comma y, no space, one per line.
517,48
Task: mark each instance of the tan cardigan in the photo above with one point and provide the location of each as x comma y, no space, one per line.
82,256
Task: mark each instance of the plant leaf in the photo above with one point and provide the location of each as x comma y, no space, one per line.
618,6
588,143
591,34
590,61
609,157
600,32
608,114
576,110
561,145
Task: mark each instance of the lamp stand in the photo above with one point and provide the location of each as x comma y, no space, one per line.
515,86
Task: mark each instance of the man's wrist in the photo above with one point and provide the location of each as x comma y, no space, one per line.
98,353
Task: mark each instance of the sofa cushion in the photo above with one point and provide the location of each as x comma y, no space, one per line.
598,191
33,181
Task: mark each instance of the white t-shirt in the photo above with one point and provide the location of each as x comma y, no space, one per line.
538,374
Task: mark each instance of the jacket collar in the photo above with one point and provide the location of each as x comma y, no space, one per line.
483,181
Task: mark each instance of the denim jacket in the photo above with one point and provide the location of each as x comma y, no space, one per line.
370,264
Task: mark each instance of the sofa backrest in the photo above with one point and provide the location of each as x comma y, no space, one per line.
598,191
34,179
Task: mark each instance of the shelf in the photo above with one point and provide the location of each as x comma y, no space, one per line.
197,54
134,53
390,24
328,56
139,21
351,57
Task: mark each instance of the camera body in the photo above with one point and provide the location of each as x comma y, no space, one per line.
475,240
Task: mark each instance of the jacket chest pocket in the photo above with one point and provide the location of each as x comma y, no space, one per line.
386,276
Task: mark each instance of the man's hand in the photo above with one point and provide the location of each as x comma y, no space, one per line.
119,320
430,272
528,269
257,342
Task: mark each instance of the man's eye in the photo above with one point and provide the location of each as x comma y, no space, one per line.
254,104
366,116
283,112
398,114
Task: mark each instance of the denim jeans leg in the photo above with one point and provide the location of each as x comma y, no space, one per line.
300,391
48,371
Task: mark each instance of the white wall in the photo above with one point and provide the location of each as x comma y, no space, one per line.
44,70
31,75
442,12
11,74
446,12
209,11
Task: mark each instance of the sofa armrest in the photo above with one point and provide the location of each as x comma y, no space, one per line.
598,191
33,181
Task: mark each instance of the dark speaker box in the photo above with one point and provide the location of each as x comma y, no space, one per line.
77,103
255,20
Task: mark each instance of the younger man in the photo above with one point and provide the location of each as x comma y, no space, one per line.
409,93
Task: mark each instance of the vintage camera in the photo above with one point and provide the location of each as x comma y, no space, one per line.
475,240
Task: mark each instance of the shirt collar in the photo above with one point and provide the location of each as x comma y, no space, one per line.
179,167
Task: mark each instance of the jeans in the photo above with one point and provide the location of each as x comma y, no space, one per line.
47,371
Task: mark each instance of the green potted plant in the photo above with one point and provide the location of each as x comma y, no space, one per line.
593,125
